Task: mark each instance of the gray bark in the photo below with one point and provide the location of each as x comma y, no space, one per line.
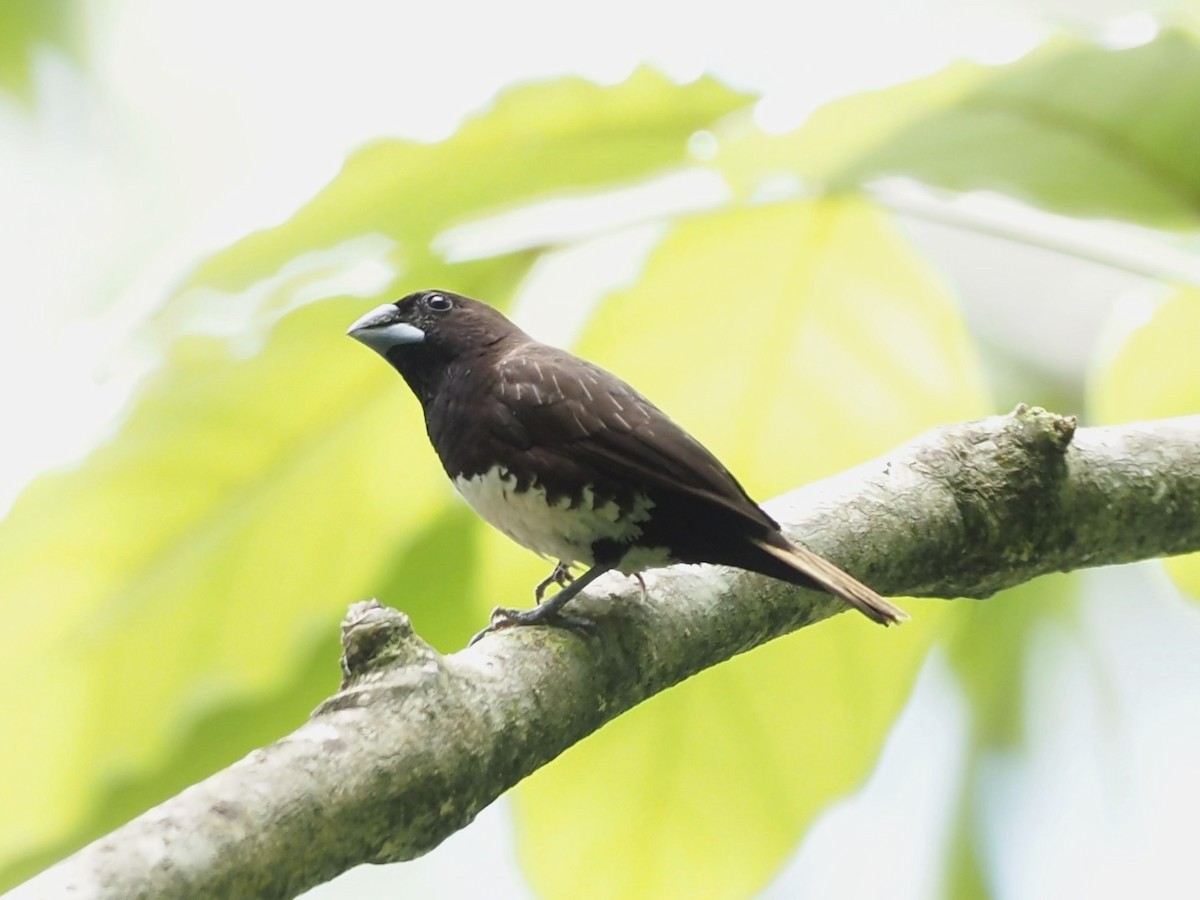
416,743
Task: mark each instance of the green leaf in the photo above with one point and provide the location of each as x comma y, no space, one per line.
565,135
152,576
843,132
966,878
437,579
705,790
1156,372
1156,375
188,565
811,338
987,649
1072,127
794,341
214,738
26,25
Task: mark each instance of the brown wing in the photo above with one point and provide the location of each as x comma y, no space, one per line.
592,427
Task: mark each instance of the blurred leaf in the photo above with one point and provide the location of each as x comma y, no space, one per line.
152,576
1072,127
965,878
704,791
436,580
845,130
800,324
363,266
987,649
1156,375
213,739
24,26
794,340
563,135
188,564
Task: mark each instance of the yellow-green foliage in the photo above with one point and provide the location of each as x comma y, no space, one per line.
173,601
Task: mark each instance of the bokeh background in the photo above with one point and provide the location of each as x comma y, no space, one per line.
810,233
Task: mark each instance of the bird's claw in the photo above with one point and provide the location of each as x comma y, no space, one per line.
561,576
504,617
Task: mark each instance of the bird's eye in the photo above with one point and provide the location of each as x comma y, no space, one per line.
438,302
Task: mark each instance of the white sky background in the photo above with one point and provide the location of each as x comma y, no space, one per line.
197,122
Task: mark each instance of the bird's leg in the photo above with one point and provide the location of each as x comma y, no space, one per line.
561,576
548,611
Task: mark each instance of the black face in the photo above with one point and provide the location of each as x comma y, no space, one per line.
427,309
428,330
432,320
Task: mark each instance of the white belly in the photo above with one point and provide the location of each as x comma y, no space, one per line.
558,531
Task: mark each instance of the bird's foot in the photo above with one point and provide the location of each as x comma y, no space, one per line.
549,613
504,617
561,576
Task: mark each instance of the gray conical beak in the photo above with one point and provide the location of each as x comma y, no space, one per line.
382,330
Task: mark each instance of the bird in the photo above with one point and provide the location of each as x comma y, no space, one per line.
576,465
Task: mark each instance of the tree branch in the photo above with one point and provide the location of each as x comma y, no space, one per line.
415,744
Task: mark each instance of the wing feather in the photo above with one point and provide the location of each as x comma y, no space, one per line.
584,418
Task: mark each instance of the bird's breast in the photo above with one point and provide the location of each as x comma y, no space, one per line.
566,528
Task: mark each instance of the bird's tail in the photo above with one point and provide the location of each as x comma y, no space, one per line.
829,578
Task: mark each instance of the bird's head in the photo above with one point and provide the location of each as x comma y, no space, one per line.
422,334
